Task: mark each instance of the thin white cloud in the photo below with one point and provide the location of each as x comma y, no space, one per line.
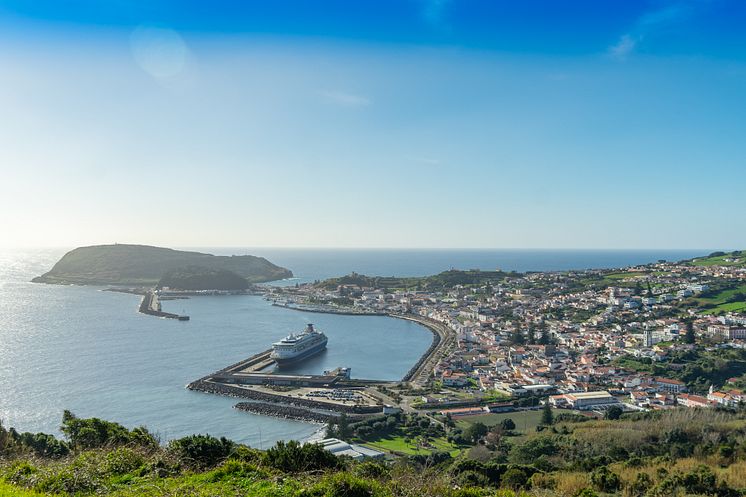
624,47
647,24
159,51
346,99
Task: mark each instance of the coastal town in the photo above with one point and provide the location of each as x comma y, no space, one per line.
633,338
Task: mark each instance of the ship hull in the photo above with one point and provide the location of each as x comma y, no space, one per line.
303,355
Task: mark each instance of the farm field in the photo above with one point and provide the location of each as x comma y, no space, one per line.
399,444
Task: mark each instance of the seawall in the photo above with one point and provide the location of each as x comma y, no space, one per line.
443,339
277,399
287,412
151,306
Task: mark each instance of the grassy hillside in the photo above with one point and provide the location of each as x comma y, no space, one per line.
201,278
736,258
672,453
145,265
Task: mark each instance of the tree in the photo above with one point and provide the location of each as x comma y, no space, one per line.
689,336
613,412
547,418
475,432
531,336
343,427
507,424
544,338
517,337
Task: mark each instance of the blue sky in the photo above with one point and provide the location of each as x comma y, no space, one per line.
410,123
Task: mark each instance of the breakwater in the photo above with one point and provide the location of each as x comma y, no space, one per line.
277,399
443,340
151,306
287,412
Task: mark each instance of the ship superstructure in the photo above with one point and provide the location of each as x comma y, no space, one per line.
295,347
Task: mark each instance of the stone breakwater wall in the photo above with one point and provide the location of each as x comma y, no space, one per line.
148,306
277,399
439,333
287,412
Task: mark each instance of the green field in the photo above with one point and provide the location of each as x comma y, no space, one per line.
399,445
720,260
624,275
721,301
525,421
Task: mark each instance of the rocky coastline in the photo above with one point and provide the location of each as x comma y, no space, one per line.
287,412
278,400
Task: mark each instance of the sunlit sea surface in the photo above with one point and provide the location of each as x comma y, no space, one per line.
79,348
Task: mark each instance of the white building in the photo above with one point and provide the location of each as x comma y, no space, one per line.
357,452
585,401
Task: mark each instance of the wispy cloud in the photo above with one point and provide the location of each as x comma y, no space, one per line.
624,47
345,99
647,24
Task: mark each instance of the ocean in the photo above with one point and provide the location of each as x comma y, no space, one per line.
89,351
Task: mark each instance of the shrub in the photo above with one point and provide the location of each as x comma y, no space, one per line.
641,485
201,451
507,424
120,461
473,479
42,445
371,469
93,433
514,478
347,485
604,480
585,492
293,457
19,472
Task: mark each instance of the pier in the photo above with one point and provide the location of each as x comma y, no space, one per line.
151,306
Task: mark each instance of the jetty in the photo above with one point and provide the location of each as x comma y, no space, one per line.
151,305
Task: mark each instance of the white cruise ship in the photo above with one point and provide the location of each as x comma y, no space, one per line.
296,347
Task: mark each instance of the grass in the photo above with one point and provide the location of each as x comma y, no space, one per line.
720,301
720,260
525,421
7,490
624,275
398,444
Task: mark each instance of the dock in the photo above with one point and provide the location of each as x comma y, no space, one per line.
151,306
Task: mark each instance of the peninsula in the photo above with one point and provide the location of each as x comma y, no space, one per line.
143,265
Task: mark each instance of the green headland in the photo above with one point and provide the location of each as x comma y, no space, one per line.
144,265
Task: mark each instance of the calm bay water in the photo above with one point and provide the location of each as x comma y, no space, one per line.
89,351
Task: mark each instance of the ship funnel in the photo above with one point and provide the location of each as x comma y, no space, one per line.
309,328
